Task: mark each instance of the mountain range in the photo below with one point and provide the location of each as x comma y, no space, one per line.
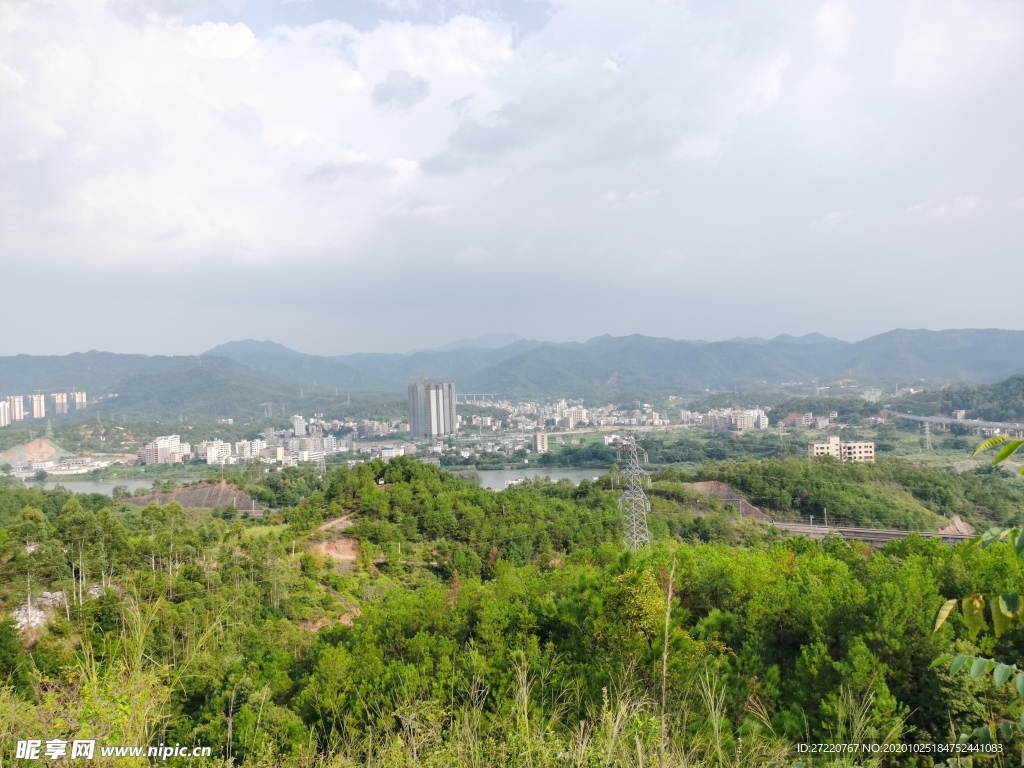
239,378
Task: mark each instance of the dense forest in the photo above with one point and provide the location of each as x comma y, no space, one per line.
889,493
1003,401
493,629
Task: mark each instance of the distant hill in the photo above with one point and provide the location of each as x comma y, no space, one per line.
140,386
307,371
614,366
486,341
42,449
238,378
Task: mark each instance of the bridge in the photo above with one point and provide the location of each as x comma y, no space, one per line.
873,536
1014,429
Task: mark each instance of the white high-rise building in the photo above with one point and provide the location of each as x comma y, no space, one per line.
167,449
298,425
432,409
17,406
60,402
78,398
38,406
5,414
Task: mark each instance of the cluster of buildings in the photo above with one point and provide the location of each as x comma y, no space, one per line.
727,419
572,414
13,407
810,421
74,465
307,441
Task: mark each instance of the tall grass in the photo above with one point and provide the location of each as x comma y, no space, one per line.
125,699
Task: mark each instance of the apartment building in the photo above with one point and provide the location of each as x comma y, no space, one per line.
432,409
5,413
214,451
167,449
38,403
60,402
540,442
78,398
17,406
843,450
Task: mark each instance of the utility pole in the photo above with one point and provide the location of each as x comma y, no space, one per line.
633,502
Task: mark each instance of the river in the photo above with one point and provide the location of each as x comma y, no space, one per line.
90,486
495,479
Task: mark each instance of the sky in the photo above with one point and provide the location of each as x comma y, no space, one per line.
387,175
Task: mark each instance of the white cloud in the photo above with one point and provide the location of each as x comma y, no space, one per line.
834,23
642,195
140,138
832,218
222,41
937,209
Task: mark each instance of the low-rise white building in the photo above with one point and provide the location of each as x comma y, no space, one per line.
214,451
843,450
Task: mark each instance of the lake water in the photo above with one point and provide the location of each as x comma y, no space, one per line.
495,479
91,486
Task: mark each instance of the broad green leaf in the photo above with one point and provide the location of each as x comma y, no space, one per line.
1001,674
958,663
1012,537
947,606
1020,723
1006,730
1007,451
1000,621
983,734
1020,532
991,536
989,444
1019,685
978,667
1009,603
974,613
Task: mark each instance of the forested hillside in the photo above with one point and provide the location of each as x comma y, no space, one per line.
495,629
1002,401
239,379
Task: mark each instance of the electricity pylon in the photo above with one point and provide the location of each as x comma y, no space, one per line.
927,436
633,502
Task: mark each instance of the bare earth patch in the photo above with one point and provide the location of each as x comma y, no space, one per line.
342,551
339,550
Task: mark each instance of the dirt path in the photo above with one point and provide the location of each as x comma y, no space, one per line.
341,523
